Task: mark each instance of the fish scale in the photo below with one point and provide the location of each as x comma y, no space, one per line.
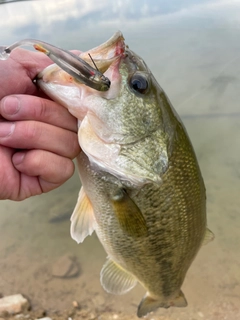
156,248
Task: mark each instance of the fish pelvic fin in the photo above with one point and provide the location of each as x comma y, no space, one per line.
115,279
149,304
209,236
129,215
82,219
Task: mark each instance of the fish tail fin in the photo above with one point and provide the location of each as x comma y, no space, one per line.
180,301
149,304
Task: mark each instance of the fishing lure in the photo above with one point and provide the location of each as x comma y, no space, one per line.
69,62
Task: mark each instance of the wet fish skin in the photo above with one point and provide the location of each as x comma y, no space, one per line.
142,192
175,218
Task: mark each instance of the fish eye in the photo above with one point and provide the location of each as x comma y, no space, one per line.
139,83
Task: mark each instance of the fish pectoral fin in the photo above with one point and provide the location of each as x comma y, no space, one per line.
82,219
209,236
129,215
149,304
115,279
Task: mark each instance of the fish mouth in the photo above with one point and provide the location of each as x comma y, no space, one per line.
104,55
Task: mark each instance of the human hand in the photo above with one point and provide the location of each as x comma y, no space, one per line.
38,137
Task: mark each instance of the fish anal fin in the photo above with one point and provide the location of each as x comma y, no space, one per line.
115,279
129,215
209,236
82,219
149,303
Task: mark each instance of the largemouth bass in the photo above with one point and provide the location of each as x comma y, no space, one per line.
142,189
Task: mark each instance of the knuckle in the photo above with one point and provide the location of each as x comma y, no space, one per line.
34,161
69,170
32,131
40,109
75,147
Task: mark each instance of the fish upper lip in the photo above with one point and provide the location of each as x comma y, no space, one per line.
106,53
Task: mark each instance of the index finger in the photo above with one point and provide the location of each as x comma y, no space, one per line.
19,70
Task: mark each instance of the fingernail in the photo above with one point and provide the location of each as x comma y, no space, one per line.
6,128
11,105
18,158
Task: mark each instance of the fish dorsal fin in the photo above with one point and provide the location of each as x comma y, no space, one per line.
149,304
209,236
129,215
115,279
82,219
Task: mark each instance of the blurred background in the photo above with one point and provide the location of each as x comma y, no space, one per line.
193,49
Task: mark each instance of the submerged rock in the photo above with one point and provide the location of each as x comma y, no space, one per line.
13,304
98,300
66,267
